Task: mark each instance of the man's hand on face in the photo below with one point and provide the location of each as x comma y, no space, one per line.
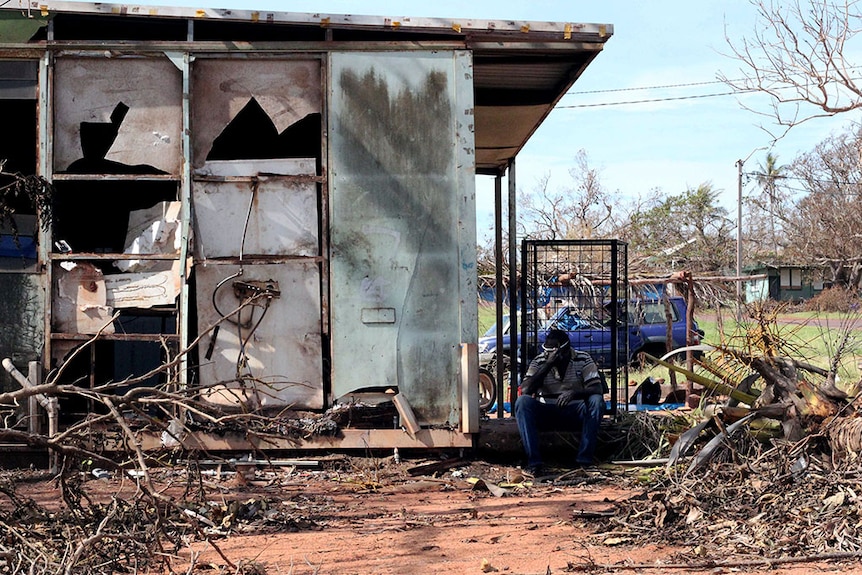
552,352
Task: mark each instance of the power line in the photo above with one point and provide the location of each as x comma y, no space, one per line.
638,88
800,179
647,101
668,99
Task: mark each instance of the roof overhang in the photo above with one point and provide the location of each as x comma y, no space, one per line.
521,69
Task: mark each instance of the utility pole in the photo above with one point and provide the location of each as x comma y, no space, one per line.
739,241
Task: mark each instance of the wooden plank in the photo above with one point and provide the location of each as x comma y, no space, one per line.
470,387
436,466
408,418
348,439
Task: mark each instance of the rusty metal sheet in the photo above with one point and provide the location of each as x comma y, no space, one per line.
284,354
88,91
269,216
397,187
287,90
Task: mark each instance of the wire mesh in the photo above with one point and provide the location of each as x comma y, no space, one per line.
579,286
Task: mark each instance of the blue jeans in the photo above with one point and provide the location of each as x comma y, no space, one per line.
534,416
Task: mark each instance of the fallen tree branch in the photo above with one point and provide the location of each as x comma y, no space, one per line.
766,562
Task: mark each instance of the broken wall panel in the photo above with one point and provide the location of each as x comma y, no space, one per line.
80,300
154,230
94,215
270,356
397,188
270,96
266,216
118,115
143,290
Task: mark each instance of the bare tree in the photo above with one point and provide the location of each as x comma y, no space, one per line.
799,54
824,226
579,212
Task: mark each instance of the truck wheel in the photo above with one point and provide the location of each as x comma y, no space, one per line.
487,390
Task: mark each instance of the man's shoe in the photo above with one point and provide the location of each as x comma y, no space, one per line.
534,471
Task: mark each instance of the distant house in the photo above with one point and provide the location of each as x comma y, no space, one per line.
784,283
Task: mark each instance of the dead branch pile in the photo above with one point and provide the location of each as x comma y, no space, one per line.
96,530
784,502
771,468
82,536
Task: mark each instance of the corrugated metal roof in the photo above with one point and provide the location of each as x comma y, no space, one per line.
521,69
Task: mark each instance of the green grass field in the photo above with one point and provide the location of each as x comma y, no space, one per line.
804,342
488,317
809,343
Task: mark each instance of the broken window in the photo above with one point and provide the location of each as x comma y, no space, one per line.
18,105
117,156
117,116
255,109
23,310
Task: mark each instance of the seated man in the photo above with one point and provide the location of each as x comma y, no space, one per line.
562,388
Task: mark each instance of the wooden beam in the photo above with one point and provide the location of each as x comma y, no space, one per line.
347,439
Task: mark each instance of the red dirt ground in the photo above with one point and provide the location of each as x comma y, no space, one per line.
370,516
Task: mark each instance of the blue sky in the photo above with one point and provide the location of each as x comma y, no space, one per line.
671,145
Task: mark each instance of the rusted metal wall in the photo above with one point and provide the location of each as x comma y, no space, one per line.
398,135
282,362
274,220
283,218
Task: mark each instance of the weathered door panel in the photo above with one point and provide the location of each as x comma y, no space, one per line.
256,146
397,199
283,361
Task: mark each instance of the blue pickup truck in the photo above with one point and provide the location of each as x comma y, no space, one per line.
647,331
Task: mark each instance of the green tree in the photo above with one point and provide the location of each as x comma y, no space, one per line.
769,201
688,231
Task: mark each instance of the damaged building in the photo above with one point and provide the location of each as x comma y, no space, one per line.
279,207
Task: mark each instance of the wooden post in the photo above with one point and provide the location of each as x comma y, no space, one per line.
668,317
689,335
